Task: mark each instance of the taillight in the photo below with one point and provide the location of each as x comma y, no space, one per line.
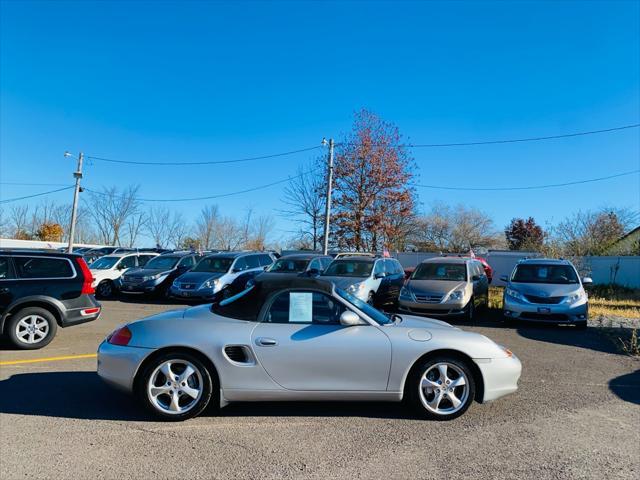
89,311
121,336
88,278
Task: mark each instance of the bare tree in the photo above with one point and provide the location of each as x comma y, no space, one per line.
18,216
158,225
305,197
206,225
178,229
260,228
134,224
110,211
228,234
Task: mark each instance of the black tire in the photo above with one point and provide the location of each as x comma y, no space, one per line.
208,386
581,325
28,314
105,289
414,387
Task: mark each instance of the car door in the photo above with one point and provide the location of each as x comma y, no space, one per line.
302,346
8,284
125,264
476,278
395,277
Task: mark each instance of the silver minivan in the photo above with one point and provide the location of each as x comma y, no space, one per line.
546,290
446,286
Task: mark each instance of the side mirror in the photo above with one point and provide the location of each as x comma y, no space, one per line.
350,319
314,272
587,281
379,275
504,278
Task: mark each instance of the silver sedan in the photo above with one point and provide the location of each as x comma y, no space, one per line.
302,339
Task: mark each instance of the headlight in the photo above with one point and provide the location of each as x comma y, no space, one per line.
573,298
456,295
406,293
356,287
175,283
211,283
515,294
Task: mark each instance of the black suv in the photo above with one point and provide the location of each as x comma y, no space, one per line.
158,273
40,290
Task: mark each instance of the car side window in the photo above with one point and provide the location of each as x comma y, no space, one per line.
325,263
43,267
301,307
186,262
5,269
379,267
240,264
314,265
128,262
265,260
143,259
253,261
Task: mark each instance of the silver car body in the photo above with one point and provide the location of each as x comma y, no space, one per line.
303,361
445,297
563,300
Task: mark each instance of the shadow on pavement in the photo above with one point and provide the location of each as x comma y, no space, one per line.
590,338
82,395
68,395
627,387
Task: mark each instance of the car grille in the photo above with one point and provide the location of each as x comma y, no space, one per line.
130,279
544,300
187,286
426,298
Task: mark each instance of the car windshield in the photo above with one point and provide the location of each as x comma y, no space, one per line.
104,263
349,268
289,266
440,271
162,263
374,313
545,273
214,264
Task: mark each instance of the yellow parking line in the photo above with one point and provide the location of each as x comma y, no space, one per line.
49,359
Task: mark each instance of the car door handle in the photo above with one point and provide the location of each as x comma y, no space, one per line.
266,342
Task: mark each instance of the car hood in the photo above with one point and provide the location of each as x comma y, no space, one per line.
343,282
441,287
146,272
198,277
545,289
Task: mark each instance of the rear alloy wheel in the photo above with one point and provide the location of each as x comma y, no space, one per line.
442,388
31,328
175,386
105,289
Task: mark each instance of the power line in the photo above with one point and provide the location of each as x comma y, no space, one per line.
215,162
532,187
512,140
210,197
36,195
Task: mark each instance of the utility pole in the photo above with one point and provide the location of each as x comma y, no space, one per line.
327,212
74,210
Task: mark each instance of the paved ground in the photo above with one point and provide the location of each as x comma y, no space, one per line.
576,415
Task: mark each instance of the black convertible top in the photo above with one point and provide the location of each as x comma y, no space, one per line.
248,303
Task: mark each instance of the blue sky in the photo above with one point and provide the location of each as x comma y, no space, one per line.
188,81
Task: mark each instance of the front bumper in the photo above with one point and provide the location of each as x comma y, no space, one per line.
147,286
118,365
196,294
500,376
444,309
555,313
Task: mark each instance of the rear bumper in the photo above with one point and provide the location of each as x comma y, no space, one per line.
118,365
82,310
500,376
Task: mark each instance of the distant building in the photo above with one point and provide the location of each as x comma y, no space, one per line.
628,244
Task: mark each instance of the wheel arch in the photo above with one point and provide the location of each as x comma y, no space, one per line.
475,370
31,302
179,349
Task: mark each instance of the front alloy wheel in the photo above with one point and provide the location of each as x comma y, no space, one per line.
176,386
443,388
105,289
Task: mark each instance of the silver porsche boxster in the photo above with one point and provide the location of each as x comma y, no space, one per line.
302,339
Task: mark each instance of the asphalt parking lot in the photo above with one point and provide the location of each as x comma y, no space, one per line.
576,415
